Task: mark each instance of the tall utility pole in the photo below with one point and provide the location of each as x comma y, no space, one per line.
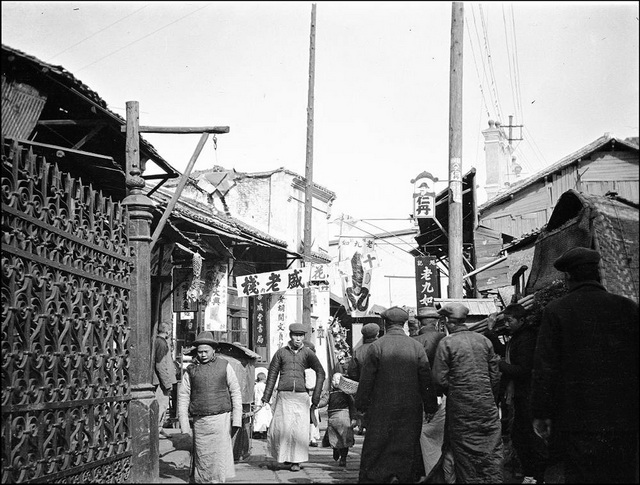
308,193
456,267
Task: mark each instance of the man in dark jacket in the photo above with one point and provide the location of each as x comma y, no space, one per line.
428,335
370,333
288,435
516,370
585,376
395,391
465,369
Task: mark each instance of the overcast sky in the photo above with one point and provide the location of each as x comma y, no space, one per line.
567,71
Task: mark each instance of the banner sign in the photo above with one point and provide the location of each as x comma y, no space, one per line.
357,259
314,275
215,315
182,280
427,281
261,319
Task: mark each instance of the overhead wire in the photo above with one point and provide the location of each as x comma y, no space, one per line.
96,33
494,84
485,77
142,38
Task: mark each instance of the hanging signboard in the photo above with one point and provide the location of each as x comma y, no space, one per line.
424,196
182,280
273,282
427,281
261,319
357,258
215,314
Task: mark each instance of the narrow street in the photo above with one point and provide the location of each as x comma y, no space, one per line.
258,468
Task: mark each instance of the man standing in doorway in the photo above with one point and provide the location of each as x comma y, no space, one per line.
395,391
585,376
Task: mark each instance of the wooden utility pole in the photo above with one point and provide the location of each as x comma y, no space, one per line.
308,193
456,267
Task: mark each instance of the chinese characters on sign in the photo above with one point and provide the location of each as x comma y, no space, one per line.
273,282
427,281
215,315
261,319
281,315
424,196
357,259
182,279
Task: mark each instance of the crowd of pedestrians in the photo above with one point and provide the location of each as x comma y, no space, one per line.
436,404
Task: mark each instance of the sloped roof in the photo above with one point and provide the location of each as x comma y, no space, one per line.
564,162
63,77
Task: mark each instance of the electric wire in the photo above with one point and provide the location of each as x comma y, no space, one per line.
475,63
96,33
485,77
494,84
142,38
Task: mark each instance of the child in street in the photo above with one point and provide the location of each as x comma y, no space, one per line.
341,411
262,417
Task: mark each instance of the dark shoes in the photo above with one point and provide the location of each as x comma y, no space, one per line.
336,454
295,467
314,444
342,462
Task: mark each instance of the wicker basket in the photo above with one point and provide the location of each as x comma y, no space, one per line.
347,385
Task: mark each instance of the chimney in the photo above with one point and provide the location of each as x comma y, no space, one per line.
497,158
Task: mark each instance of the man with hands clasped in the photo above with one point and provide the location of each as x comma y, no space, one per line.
211,395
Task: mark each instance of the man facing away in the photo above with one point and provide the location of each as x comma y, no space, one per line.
370,333
465,369
395,391
428,334
585,376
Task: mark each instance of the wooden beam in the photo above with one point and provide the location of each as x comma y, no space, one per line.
72,123
218,130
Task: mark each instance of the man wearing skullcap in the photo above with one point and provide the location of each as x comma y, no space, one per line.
288,435
211,395
585,376
395,391
465,369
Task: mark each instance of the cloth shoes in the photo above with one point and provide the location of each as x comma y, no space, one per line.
295,467
342,462
529,480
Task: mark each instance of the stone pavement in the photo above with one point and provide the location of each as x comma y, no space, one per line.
258,468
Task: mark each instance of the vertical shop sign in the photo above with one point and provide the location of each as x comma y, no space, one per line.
427,281
182,280
261,319
281,315
215,315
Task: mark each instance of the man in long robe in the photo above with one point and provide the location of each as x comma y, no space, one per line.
465,369
395,391
211,395
585,376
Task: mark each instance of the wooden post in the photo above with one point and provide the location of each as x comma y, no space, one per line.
456,268
308,199
143,408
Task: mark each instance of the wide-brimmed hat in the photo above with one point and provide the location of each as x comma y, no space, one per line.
576,257
205,338
454,310
297,328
